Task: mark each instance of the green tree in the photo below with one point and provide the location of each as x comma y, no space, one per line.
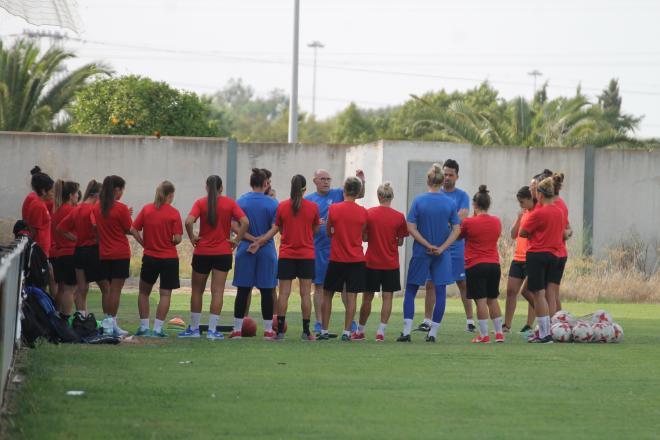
35,88
610,102
141,106
352,127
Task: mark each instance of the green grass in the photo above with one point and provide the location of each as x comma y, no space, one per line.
329,390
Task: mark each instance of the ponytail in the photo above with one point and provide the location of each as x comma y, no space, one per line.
162,191
558,181
57,199
213,187
298,186
93,189
107,195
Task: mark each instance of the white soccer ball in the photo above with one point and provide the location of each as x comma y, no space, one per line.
617,333
601,316
564,316
561,332
582,332
603,332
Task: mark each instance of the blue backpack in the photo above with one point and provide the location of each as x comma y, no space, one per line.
41,319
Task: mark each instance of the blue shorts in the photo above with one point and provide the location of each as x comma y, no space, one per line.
255,270
439,268
458,262
322,258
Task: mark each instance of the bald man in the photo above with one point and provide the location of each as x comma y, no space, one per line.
324,197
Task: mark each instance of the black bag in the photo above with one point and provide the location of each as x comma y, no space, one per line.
35,322
84,327
35,266
64,332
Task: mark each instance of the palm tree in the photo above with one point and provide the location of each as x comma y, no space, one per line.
34,89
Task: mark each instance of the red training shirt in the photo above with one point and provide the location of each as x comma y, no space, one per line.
481,233
79,223
160,225
546,226
347,219
214,241
112,229
63,246
559,202
385,226
37,217
297,241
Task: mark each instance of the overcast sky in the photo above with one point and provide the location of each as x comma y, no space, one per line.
378,52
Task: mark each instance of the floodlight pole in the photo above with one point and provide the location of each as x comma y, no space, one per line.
315,45
293,99
534,73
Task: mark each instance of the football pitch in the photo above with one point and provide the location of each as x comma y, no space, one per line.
248,389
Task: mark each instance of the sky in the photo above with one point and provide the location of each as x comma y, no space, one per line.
377,53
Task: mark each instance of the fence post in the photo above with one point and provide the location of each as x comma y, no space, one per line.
232,163
588,200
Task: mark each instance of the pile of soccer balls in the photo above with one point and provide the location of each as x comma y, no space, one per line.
566,328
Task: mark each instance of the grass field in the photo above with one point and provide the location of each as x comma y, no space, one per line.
330,390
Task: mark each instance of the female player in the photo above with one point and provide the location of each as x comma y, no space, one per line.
518,269
297,220
162,230
213,252
256,262
553,285
386,229
77,225
66,198
482,264
346,224
113,221
428,218
545,229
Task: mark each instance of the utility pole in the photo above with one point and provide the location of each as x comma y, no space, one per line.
534,73
293,100
315,45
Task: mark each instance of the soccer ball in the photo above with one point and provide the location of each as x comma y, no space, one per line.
601,316
603,332
617,333
249,327
561,332
582,332
563,316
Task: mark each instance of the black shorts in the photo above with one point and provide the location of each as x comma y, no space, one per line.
542,268
483,281
64,270
204,263
518,269
292,268
383,280
165,268
561,265
351,275
86,258
114,269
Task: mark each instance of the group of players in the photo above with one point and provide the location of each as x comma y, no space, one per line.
321,243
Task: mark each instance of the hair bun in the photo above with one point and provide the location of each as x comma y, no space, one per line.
35,170
387,184
483,189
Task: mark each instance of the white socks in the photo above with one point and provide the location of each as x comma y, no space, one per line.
213,322
194,320
158,325
144,324
434,329
470,321
268,325
427,321
360,328
497,322
544,326
483,328
346,332
407,326
238,324
381,329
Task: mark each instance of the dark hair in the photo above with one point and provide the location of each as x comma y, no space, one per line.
298,184
267,172
482,198
558,181
93,189
524,193
451,163
543,175
107,194
41,182
213,186
257,178
352,186
63,192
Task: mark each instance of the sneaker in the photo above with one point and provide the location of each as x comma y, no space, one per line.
506,329
345,337
271,336
317,328
356,336
403,338
546,340
481,340
323,337
525,329
430,338
306,337
145,332
279,337
380,338
499,337
470,328
423,327
236,334
189,333
160,334
214,335
120,332
354,326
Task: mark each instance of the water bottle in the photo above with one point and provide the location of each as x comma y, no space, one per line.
108,327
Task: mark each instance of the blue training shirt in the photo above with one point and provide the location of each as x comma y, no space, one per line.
432,213
260,210
462,201
336,195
